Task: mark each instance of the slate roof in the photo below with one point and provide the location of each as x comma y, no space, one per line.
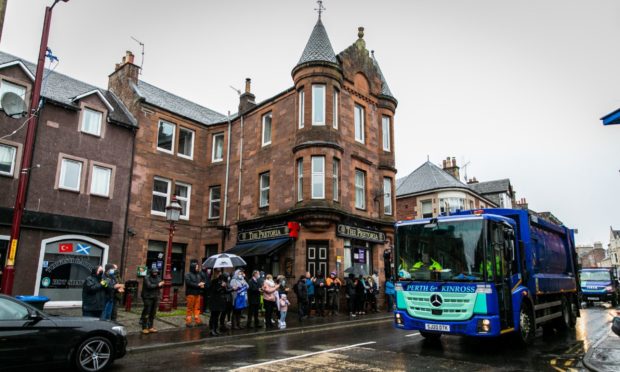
181,106
63,89
427,177
385,89
615,233
491,187
318,48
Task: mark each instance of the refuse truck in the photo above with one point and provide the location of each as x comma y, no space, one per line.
485,273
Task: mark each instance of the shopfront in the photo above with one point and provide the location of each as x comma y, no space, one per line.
361,247
64,263
264,249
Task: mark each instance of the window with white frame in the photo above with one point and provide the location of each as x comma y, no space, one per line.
183,193
302,105
427,208
91,121
7,86
387,196
217,154
300,179
263,186
318,104
165,136
267,129
215,197
161,196
359,123
186,143
318,177
70,174
336,99
336,179
7,159
100,181
385,124
360,189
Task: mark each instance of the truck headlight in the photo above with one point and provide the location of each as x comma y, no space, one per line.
609,288
120,330
484,326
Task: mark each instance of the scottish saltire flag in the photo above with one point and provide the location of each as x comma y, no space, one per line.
83,249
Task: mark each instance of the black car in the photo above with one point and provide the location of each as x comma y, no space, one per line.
31,338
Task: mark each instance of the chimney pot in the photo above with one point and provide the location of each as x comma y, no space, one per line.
248,83
360,32
129,56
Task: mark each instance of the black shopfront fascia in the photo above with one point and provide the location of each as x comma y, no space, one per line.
58,222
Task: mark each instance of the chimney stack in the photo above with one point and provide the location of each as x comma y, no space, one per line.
124,73
450,167
247,99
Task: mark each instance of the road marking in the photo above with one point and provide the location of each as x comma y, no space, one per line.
304,355
413,334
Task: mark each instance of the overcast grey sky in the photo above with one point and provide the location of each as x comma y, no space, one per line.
514,87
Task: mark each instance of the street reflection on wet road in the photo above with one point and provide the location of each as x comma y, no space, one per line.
379,347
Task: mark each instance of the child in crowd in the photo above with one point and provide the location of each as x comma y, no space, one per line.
283,310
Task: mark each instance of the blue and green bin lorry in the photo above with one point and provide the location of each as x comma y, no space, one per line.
485,273
599,284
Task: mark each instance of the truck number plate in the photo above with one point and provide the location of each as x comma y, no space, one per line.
437,327
592,298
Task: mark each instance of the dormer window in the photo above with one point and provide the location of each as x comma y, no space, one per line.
91,121
318,104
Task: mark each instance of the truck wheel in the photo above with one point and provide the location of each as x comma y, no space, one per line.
431,336
614,300
567,320
527,326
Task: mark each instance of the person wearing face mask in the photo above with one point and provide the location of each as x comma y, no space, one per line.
253,299
150,298
93,295
111,286
195,282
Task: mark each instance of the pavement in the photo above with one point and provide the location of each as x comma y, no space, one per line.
172,330
604,355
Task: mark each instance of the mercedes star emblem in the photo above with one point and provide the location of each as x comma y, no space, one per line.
436,300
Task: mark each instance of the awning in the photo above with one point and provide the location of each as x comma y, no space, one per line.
259,248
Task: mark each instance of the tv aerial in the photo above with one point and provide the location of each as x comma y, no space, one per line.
13,105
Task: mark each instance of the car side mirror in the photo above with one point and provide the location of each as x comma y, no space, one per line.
34,315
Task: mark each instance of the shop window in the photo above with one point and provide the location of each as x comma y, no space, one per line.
156,257
358,254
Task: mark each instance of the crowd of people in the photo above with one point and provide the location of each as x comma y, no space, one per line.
230,298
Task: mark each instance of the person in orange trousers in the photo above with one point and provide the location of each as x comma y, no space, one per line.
194,287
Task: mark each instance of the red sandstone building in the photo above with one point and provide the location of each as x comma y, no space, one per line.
317,158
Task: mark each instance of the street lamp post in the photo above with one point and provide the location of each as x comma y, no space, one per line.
173,212
24,175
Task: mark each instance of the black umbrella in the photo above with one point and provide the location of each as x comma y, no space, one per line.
223,260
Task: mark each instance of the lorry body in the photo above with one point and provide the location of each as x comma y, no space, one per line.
599,284
485,273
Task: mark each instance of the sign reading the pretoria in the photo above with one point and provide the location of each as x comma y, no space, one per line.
362,234
262,234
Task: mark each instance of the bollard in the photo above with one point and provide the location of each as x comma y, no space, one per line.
175,298
128,300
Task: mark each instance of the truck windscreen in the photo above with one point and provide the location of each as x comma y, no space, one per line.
596,276
443,251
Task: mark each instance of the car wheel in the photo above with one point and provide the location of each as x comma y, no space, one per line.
94,354
430,336
527,326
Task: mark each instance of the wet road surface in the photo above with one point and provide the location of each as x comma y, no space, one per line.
379,347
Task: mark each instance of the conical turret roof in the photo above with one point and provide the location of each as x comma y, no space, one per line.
318,48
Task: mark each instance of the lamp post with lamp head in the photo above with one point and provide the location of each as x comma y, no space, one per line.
173,212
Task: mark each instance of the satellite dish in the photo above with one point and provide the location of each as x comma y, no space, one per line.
13,105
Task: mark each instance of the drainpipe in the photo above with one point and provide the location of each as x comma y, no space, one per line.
240,170
125,232
224,230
